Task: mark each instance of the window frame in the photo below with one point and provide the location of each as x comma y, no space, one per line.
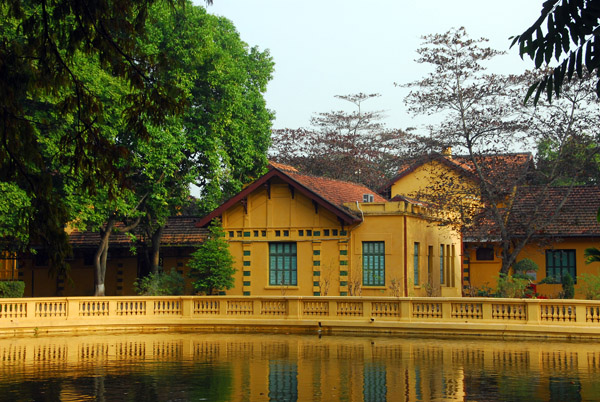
373,263
416,265
572,270
277,264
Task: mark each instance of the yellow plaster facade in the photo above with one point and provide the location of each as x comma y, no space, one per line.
329,254
485,272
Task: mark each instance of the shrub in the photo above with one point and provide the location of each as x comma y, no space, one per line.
524,266
9,289
211,265
589,285
509,286
160,284
568,286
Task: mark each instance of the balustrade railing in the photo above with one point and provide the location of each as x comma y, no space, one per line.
198,310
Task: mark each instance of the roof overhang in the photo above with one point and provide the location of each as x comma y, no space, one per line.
341,213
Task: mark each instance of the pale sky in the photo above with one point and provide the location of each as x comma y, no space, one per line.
338,47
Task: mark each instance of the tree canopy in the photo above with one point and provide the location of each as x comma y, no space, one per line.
483,115
116,125
352,146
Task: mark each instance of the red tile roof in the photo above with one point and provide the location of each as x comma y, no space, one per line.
335,191
179,231
328,193
535,205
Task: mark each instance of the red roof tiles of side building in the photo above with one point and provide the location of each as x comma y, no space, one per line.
535,205
179,231
577,217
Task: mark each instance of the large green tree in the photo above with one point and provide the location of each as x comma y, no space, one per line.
41,42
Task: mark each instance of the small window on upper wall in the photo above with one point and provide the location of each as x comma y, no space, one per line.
484,254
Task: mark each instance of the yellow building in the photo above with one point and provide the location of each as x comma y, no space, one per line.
293,234
556,248
180,238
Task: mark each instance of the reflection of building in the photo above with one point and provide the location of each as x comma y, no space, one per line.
258,367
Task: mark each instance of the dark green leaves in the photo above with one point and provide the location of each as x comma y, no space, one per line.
567,21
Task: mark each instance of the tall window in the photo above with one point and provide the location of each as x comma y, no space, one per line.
282,264
416,264
373,263
560,262
442,279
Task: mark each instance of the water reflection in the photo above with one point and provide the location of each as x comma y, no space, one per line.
249,367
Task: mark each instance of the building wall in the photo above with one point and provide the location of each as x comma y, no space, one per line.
329,256
485,273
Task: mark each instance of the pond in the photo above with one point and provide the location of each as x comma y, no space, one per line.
263,367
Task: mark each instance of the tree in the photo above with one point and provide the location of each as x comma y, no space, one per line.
219,142
567,23
352,146
483,114
211,265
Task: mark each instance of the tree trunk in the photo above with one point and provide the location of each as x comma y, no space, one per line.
100,258
155,260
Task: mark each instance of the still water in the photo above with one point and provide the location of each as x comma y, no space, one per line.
259,367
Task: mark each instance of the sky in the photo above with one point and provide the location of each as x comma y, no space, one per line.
338,47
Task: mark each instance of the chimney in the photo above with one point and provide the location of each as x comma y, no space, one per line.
447,152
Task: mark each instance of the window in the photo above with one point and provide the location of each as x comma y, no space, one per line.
373,263
282,264
484,254
442,281
560,262
368,197
416,264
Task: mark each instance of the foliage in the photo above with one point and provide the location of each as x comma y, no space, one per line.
567,30
522,267
511,286
568,286
592,255
12,289
353,146
45,96
589,286
483,115
211,265
160,284
482,291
